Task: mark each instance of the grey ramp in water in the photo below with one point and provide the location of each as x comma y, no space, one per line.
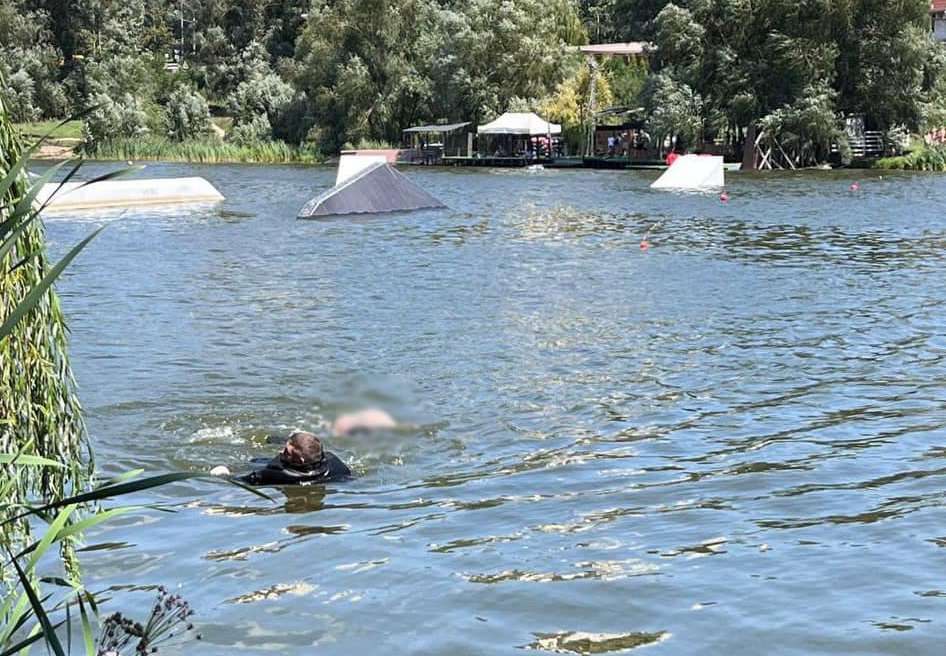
379,188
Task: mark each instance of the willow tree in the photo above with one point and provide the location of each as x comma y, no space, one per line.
39,411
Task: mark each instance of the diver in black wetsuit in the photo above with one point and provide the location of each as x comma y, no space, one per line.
302,461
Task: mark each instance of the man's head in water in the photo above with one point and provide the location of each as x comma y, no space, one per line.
302,450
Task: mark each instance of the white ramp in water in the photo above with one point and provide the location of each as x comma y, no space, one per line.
351,165
376,187
693,172
122,193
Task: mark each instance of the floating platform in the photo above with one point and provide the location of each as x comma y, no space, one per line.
366,185
127,193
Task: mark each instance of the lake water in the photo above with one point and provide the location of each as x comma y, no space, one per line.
730,443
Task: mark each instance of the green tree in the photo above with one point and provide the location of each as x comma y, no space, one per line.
778,62
363,63
674,110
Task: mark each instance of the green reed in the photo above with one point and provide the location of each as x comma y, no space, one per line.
40,413
204,152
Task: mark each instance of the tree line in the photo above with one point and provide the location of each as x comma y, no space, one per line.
331,72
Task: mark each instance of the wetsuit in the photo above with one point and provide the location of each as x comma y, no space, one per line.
277,472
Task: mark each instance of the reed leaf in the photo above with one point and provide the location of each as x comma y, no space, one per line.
87,638
49,631
25,459
39,290
22,645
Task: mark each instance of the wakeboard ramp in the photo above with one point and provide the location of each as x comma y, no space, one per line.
692,172
369,186
126,193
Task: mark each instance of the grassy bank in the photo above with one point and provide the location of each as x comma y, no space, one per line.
38,129
923,158
203,152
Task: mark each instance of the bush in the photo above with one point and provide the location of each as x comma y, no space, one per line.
20,91
254,131
114,119
930,157
262,94
187,115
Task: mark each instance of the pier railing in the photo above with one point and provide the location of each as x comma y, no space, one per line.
869,143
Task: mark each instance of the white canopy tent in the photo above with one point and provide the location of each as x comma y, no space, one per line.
520,123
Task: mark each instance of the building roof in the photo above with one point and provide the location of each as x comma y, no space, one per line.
525,123
617,49
437,128
937,6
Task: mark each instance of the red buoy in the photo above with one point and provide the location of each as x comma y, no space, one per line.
724,197
645,245
855,186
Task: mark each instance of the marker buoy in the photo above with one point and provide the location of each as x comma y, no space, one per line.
724,197
644,245
855,186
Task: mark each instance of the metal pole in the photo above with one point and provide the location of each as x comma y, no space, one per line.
181,56
592,104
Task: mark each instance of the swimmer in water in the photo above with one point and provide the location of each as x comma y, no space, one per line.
302,461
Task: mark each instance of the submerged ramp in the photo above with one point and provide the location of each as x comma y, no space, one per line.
378,187
122,193
692,172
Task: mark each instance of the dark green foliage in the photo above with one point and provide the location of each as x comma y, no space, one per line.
796,66
371,68
337,71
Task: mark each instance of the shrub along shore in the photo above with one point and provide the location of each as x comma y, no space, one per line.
929,157
203,152
64,141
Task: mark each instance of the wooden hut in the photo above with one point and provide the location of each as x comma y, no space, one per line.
429,144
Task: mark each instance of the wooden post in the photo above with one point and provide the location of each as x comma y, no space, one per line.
749,149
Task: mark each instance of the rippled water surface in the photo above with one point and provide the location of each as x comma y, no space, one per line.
730,443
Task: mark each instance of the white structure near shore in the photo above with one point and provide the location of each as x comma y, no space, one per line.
127,193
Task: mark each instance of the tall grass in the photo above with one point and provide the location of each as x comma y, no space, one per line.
930,157
369,144
203,152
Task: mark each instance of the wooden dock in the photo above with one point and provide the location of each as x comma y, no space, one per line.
508,162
